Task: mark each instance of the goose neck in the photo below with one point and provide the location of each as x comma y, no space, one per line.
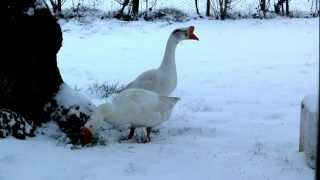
169,55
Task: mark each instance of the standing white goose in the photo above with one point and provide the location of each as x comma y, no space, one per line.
163,80
131,108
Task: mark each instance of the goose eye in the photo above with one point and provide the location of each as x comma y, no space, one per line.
176,31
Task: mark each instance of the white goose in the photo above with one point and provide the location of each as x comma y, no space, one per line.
163,80
130,108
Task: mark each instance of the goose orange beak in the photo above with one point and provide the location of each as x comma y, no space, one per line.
191,35
86,135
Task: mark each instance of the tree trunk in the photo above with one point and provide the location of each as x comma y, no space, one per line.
221,9
56,7
125,3
287,7
59,8
135,7
208,8
280,6
29,75
263,7
317,10
147,9
197,8
225,7
59,5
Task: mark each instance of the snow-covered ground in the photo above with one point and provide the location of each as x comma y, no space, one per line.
238,118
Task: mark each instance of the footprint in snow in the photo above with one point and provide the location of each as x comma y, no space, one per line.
274,116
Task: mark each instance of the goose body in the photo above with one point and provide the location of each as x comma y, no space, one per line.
163,80
133,108
156,80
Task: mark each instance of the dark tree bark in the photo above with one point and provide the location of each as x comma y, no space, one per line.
287,7
221,9
263,7
280,6
29,76
135,7
124,5
224,8
197,8
56,7
59,5
226,4
59,8
208,6
147,9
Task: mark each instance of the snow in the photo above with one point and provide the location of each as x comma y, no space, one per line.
240,86
69,97
40,4
311,103
30,12
309,128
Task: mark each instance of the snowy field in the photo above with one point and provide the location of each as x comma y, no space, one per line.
238,118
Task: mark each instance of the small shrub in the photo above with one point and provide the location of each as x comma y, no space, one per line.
81,12
105,90
167,14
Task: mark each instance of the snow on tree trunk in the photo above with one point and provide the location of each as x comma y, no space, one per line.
71,110
309,128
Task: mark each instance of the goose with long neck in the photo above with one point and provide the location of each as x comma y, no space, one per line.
163,80
130,108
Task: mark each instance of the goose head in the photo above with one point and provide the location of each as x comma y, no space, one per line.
97,120
184,34
86,135
89,130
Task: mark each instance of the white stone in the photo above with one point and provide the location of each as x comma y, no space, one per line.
309,120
